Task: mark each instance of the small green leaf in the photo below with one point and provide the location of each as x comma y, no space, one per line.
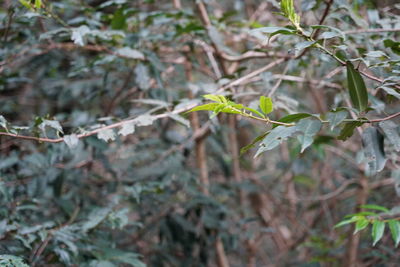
378,228
361,224
357,90
374,207
266,105
255,112
395,231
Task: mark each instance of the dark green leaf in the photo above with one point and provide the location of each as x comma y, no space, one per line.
252,144
274,138
357,90
348,129
293,118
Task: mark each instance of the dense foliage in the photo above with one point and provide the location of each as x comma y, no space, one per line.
199,133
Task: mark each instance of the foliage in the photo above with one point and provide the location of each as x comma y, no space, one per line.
108,158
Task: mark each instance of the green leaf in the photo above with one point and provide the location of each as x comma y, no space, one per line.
215,98
391,131
303,45
378,228
293,118
38,4
266,105
26,4
372,141
275,30
209,107
348,129
374,207
309,128
361,224
357,90
394,227
142,76
348,221
336,117
274,138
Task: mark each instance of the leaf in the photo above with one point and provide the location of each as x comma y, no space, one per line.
394,227
12,261
361,224
336,117
372,141
142,76
391,131
130,53
209,107
374,207
293,118
252,110
38,4
274,30
348,221
348,129
95,218
390,91
26,4
378,228
303,45
127,128
357,90
274,138
106,135
329,35
144,120
78,35
216,98
266,105
71,140
3,122
309,128
52,124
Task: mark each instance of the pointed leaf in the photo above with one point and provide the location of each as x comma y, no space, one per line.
266,105
357,90
309,128
378,228
345,222
374,207
274,138
253,143
209,107
348,129
394,227
335,118
293,118
214,98
361,224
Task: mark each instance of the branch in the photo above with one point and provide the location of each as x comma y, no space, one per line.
87,134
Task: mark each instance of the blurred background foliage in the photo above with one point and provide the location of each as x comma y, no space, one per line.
175,192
